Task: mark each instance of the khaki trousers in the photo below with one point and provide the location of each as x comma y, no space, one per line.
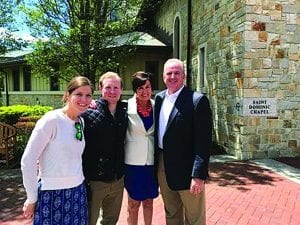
181,207
106,202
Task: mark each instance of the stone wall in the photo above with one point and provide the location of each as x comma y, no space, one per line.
252,52
47,98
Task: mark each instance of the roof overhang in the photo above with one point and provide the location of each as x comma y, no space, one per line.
137,39
14,57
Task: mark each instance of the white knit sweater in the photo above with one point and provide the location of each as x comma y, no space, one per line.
52,154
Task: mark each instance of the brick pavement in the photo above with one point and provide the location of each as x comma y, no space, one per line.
243,193
237,193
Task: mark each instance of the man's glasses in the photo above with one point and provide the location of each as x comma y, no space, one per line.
78,134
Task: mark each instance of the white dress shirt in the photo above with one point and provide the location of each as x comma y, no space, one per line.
165,111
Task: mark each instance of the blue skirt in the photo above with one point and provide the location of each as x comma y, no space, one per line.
140,182
62,207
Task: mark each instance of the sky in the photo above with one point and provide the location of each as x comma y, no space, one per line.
23,30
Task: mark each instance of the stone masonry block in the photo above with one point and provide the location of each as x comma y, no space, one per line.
254,121
275,42
294,57
293,88
287,124
274,123
291,8
252,148
296,116
256,64
238,5
272,153
278,7
250,2
268,4
263,53
263,36
251,83
256,44
274,138
291,18
279,53
266,12
224,31
257,9
265,73
258,26
260,155
264,137
293,67
292,143
238,74
248,130
284,63
248,73
275,15
239,83
251,35
252,93
267,63
237,38
289,134
288,114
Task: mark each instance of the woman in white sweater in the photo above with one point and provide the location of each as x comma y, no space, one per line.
51,164
139,179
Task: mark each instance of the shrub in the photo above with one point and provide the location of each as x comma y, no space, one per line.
23,118
11,114
24,128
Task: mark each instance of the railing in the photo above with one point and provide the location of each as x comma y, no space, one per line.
7,143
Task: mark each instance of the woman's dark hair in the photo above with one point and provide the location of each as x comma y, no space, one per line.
139,79
76,82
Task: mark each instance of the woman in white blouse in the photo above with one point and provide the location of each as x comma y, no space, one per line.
139,180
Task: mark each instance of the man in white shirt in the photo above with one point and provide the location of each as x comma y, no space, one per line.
183,139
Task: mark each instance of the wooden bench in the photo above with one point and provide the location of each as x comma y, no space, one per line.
7,142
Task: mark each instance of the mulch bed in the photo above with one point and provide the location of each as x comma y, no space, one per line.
291,161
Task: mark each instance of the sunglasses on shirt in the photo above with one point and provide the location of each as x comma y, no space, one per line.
78,134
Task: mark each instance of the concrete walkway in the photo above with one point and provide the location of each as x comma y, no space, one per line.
260,192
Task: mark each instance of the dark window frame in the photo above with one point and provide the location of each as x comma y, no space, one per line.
16,79
153,68
27,78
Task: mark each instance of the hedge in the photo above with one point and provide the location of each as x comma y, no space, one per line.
22,117
11,114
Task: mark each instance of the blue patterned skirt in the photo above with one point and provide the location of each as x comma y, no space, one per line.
62,207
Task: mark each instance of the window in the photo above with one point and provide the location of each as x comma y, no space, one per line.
1,82
54,81
16,79
152,67
27,78
176,52
113,16
202,65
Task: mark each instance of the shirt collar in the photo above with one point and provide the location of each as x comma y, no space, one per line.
175,94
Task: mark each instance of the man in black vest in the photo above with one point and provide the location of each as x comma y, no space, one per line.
183,139
103,157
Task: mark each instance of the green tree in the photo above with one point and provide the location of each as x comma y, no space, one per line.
81,35
7,40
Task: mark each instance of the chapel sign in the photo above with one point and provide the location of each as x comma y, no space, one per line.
260,107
